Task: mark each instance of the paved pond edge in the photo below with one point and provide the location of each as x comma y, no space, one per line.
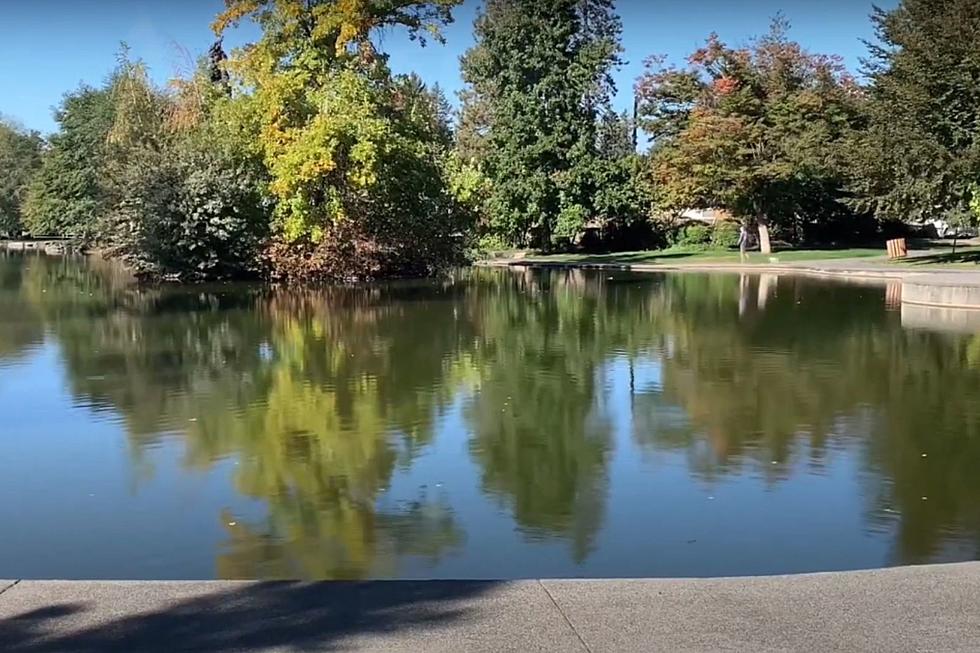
929,607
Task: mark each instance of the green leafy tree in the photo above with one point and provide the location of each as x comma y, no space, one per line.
539,77
472,125
974,215
353,154
184,196
755,131
615,136
919,152
20,156
67,195
622,193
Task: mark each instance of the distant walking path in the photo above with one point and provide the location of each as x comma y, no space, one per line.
931,608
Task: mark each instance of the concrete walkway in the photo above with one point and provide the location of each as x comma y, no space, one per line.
930,608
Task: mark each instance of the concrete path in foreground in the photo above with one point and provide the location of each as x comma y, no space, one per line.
929,608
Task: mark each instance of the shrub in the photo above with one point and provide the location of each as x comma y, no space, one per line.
489,246
693,235
724,235
186,212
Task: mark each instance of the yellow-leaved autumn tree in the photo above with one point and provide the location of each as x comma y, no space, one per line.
355,155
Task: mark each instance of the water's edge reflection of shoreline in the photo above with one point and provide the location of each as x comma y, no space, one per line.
581,423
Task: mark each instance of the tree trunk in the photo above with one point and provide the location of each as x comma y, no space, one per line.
636,110
954,245
764,245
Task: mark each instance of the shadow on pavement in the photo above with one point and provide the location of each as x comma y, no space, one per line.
966,256
254,617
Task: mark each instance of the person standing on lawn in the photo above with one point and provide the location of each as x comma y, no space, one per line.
743,243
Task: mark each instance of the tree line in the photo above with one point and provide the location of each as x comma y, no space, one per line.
303,156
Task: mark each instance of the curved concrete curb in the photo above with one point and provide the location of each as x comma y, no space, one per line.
946,296
931,607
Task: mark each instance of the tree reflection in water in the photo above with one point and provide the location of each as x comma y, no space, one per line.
322,396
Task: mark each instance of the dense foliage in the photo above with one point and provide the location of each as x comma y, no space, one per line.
918,157
303,156
754,130
299,156
20,156
66,196
539,81
353,153
184,195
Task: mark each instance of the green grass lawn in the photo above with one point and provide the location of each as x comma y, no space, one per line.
685,255
924,253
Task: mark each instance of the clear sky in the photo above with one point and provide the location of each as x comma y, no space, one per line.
50,46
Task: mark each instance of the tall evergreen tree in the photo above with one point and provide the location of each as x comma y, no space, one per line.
920,153
539,76
599,40
615,135
472,125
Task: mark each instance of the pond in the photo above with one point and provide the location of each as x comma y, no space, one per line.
494,424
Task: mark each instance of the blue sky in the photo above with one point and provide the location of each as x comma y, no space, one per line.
48,47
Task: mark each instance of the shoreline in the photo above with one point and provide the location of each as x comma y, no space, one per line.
836,268
930,607
49,246
940,288
950,288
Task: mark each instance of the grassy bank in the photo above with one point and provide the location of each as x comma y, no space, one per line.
924,253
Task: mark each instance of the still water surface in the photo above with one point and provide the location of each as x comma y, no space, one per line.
499,424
